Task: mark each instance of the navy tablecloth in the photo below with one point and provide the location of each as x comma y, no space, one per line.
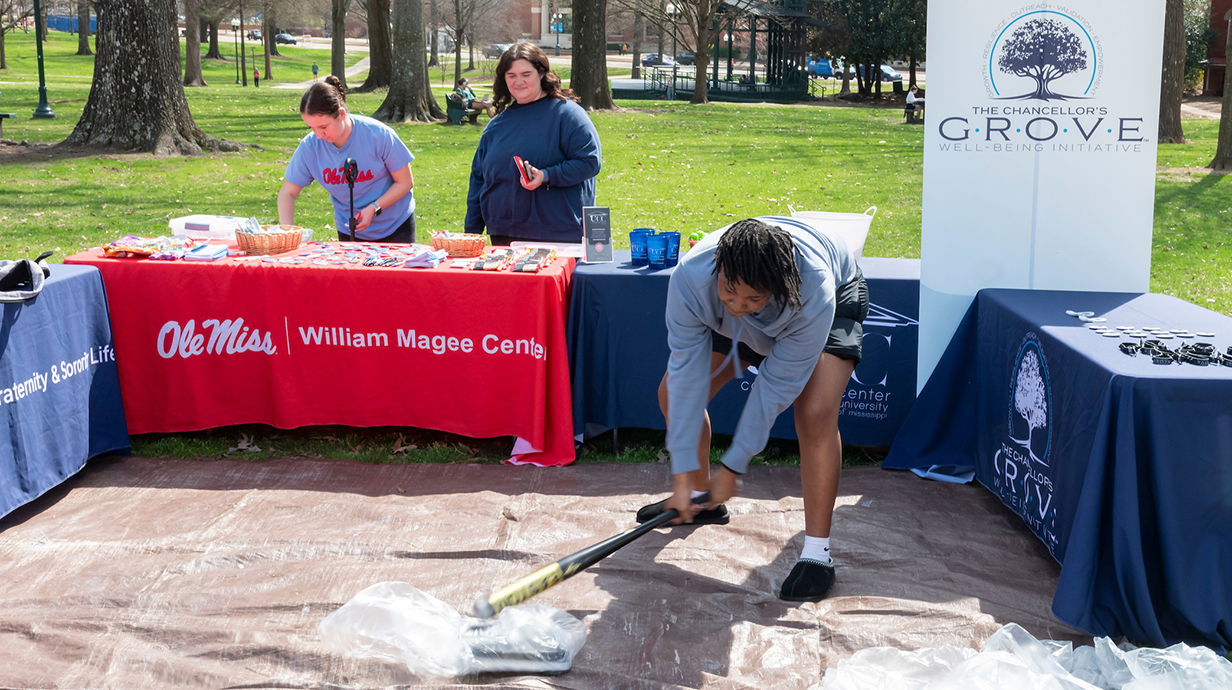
59,387
1122,467
618,353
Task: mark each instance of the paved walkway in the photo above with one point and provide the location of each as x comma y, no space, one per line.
361,66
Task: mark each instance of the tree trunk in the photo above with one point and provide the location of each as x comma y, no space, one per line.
911,71
589,77
136,100
380,47
406,100
243,50
213,53
337,61
41,23
470,44
4,63
271,30
705,13
268,39
435,35
83,25
192,44
459,31
845,90
636,54
1172,78
1223,150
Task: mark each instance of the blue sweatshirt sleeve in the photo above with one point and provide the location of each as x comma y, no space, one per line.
580,143
474,214
780,378
688,371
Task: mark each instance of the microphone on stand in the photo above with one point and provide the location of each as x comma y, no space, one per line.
350,172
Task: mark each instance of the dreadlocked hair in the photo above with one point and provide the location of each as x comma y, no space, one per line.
761,256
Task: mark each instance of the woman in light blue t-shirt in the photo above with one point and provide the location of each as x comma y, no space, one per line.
384,204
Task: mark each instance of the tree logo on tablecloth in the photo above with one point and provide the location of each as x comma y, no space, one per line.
1043,55
1031,404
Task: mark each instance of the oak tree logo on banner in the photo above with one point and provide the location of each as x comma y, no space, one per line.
1043,54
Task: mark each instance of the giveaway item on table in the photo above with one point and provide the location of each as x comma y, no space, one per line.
531,261
637,245
597,234
207,227
255,238
159,248
206,252
424,257
459,244
498,260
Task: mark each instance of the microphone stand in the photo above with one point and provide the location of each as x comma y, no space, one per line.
350,172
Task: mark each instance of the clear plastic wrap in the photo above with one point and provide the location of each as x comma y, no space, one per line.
1014,660
395,621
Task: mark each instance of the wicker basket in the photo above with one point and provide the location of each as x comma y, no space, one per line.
460,245
276,240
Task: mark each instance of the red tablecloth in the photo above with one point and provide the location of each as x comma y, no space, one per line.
238,341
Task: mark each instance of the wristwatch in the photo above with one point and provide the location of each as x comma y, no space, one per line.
378,209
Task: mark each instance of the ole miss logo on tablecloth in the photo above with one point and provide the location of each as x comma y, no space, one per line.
334,176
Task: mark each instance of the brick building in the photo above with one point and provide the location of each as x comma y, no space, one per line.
1221,16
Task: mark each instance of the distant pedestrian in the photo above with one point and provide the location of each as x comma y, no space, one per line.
623,48
256,78
314,70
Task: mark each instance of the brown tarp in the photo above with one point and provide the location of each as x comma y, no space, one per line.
143,573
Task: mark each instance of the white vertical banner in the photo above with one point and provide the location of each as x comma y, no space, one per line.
1039,152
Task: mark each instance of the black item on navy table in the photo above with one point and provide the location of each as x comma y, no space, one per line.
22,280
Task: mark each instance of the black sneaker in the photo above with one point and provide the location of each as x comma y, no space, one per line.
718,516
808,581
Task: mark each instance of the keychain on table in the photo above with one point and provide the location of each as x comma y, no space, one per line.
350,172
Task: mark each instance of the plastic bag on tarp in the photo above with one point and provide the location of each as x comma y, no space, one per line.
396,622
1014,660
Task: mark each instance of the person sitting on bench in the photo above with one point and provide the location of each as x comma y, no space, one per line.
469,99
915,100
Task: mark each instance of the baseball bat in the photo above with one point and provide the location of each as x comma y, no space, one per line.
567,567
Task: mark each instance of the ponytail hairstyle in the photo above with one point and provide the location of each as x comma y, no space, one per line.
325,97
761,256
548,81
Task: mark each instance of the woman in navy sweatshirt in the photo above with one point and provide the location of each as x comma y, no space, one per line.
539,122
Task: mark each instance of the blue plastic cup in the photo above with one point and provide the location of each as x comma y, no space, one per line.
673,248
656,250
637,243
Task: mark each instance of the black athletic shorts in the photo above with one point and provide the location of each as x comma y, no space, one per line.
404,234
846,333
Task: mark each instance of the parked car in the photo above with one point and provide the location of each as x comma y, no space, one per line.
286,39
888,74
254,35
495,50
686,58
656,60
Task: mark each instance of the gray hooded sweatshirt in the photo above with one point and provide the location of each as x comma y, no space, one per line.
791,339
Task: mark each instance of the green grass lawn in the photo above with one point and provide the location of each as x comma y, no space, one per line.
671,166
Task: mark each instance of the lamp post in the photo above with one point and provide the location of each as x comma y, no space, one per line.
558,23
235,36
43,111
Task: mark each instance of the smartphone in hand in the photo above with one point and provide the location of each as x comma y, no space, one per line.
523,169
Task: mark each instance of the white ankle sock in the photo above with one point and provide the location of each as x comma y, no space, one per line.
695,493
816,549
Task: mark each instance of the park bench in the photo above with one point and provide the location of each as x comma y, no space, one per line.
456,109
3,117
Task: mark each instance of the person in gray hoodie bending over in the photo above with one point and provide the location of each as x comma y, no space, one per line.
789,299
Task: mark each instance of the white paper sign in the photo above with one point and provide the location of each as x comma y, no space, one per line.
1039,152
